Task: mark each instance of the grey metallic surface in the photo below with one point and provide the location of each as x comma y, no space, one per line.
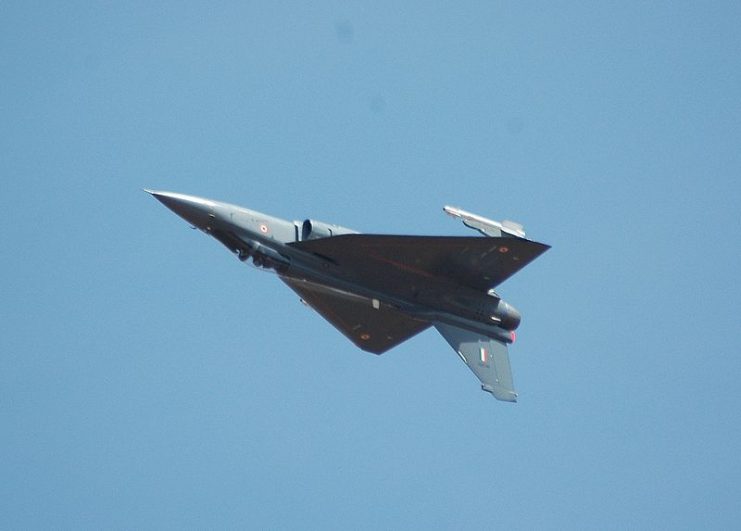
486,357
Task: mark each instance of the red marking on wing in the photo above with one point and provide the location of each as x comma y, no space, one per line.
404,267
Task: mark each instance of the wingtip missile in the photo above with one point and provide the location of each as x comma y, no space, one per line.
486,226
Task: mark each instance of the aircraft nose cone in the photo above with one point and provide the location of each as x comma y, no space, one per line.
195,210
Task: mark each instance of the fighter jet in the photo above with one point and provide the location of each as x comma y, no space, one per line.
380,290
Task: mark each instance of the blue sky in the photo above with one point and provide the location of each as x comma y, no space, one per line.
150,380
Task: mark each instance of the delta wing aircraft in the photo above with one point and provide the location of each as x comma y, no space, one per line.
380,290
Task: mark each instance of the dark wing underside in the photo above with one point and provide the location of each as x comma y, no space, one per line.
379,260
374,327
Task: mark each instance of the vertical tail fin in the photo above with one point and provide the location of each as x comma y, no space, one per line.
486,357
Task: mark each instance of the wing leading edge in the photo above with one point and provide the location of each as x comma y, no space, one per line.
486,357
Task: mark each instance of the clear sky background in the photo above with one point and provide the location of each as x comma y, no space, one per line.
148,379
